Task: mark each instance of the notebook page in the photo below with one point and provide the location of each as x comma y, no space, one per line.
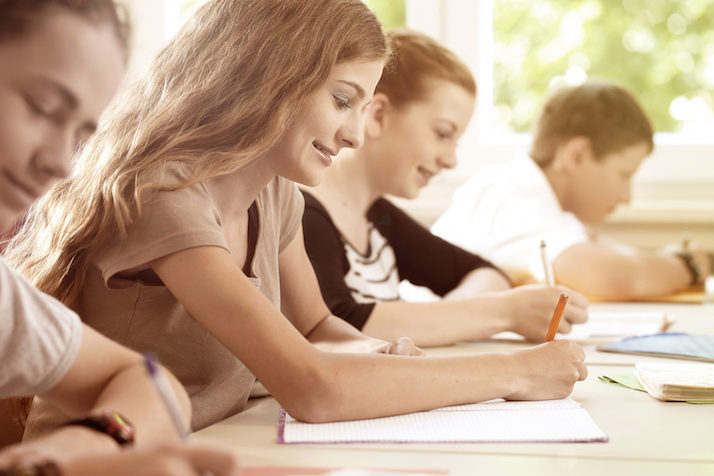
501,404
471,426
685,375
609,324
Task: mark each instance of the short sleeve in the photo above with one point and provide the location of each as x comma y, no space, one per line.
39,337
326,250
170,221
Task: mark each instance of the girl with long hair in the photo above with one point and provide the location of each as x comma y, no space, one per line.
180,230
362,245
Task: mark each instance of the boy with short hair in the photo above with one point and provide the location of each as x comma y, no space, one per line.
588,142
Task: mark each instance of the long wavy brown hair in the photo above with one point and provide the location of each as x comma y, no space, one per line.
217,97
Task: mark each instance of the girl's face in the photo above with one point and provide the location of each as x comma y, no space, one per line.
55,81
414,142
333,118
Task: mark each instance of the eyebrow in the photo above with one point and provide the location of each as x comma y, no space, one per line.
358,88
68,98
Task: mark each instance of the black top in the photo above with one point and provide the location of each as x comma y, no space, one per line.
421,258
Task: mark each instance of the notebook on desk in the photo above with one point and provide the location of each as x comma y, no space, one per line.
609,324
674,345
486,422
677,382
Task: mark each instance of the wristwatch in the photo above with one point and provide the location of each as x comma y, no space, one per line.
110,423
695,270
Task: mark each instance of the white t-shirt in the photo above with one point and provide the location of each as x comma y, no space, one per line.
39,337
504,211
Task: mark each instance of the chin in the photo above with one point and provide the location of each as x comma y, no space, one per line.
308,180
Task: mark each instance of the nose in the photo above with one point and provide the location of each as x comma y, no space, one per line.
447,159
54,160
351,134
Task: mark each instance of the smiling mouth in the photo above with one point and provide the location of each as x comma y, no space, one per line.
326,155
31,193
425,174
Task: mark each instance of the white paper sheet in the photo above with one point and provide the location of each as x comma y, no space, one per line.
602,324
494,421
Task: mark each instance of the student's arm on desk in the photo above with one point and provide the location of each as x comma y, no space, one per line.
104,376
479,281
317,386
604,272
302,303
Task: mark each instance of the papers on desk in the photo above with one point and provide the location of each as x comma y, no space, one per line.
620,324
487,422
602,324
675,345
677,382
288,471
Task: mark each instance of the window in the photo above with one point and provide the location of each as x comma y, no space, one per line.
662,50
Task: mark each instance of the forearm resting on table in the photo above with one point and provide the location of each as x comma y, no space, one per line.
477,282
601,272
106,375
438,323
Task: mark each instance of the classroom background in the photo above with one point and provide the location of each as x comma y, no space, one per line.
518,49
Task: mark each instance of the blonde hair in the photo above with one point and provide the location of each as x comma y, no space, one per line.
417,58
218,96
605,113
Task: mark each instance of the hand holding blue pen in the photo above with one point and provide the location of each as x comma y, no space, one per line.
166,394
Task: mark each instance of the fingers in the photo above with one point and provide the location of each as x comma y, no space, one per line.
404,346
583,369
565,327
575,298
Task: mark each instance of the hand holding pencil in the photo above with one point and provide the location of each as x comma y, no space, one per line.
557,315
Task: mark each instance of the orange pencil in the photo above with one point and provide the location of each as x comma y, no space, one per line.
555,320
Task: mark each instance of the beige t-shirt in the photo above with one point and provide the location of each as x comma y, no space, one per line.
145,316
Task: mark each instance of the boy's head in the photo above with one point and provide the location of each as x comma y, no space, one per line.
589,140
67,58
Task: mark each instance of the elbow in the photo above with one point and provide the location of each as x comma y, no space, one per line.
317,398
610,287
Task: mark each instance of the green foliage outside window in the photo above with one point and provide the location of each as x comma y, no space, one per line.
662,50
392,13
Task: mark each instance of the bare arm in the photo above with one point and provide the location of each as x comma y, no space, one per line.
104,376
525,310
319,386
479,281
602,271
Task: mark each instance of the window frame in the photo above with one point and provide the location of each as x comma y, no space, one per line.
675,178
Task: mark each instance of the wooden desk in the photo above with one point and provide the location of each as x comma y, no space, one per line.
646,436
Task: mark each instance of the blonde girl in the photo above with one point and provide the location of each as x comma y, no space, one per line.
180,231
362,245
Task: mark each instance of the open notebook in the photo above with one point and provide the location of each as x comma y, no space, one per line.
492,421
674,345
605,324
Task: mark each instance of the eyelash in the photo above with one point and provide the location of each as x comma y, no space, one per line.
37,109
342,102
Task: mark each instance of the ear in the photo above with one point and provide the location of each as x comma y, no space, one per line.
571,155
377,115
